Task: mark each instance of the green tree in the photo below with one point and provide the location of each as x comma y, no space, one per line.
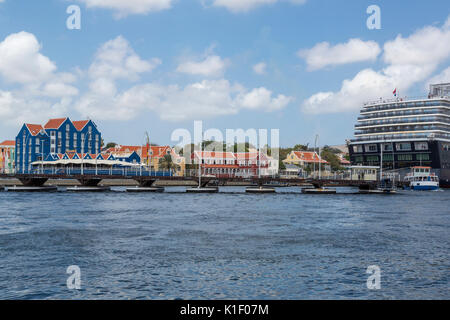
111,145
331,158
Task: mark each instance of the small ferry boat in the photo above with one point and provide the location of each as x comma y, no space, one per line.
421,178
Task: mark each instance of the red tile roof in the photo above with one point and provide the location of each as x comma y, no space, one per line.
8,143
159,151
309,157
79,125
54,123
34,128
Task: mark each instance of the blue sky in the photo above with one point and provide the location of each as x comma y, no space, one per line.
157,65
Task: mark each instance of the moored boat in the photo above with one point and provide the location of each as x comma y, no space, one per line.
422,179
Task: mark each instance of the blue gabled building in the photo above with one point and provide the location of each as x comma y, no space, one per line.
57,136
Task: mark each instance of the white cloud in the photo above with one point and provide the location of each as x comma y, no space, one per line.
408,61
443,77
211,66
17,108
260,68
20,59
205,99
202,99
123,8
37,90
354,50
117,60
238,6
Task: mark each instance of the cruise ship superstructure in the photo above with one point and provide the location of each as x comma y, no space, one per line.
413,132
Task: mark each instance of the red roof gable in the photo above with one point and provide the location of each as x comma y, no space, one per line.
34,128
79,125
54,123
309,157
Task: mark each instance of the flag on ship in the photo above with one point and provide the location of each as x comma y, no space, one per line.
395,92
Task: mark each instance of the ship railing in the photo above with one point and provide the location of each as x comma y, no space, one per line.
400,137
419,120
404,99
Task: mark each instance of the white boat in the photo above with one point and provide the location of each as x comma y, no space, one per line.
421,178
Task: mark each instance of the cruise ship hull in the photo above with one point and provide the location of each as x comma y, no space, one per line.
436,156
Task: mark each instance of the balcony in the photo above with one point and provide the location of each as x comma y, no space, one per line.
405,129
408,136
399,121
405,113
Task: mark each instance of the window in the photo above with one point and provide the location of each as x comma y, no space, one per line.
59,135
404,146
357,149
371,148
67,127
37,149
446,147
52,134
388,157
421,146
405,157
388,147
423,157
372,158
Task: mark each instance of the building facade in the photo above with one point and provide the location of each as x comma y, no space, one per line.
230,165
304,159
153,157
58,136
7,156
408,132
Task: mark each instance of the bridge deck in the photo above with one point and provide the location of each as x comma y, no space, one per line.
220,180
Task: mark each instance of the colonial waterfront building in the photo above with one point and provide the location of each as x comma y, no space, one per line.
7,156
412,132
58,136
231,165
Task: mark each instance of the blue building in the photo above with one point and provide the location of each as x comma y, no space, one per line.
58,136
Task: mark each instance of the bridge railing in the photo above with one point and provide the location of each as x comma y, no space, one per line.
126,172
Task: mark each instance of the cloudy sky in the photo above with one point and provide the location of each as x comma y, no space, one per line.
303,66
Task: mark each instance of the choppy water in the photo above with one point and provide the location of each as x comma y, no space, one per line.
225,246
